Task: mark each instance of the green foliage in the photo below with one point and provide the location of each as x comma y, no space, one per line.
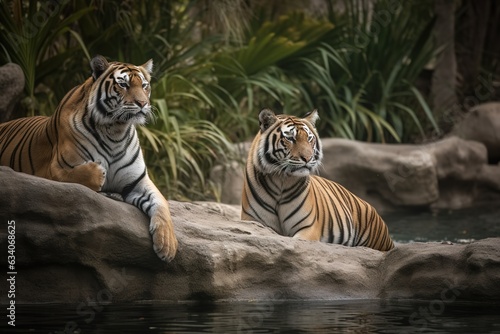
180,152
358,67
181,145
251,73
30,36
361,75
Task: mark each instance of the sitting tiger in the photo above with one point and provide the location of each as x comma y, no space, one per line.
91,139
280,192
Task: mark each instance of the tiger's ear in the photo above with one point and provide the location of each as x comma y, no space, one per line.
148,66
312,117
98,64
266,119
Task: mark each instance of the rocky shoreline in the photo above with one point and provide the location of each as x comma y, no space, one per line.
73,245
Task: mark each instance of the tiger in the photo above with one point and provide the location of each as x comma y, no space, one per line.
281,191
91,139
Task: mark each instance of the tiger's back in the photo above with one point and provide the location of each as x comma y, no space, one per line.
26,145
280,192
344,210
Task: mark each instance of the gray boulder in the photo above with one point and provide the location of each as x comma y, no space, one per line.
446,174
482,124
73,245
11,86
451,173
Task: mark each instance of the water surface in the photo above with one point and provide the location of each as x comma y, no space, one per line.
355,316
457,226
358,316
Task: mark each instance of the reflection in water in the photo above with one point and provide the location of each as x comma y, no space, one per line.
359,316
459,226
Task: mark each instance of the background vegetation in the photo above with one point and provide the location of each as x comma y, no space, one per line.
217,63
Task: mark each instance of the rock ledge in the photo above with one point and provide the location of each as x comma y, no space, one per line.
73,245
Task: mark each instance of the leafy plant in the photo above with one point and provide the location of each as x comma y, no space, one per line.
251,72
179,154
182,144
31,34
361,75
209,83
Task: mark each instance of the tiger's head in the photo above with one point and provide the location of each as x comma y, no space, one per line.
288,145
120,92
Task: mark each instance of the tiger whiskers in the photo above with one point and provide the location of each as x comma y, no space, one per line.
279,168
152,115
128,114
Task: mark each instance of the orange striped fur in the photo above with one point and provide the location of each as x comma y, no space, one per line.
280,192
91,139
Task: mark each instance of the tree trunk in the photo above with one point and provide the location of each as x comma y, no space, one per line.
443,91
472,31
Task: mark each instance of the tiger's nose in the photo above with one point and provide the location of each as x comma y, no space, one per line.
141,103
306,158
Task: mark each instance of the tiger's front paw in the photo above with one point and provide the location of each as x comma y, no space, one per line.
164,240
95,175
90,174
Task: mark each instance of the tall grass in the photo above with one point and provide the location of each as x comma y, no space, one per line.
361,76
180,153
358,68
210,83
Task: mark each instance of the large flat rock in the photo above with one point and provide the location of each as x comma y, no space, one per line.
74,245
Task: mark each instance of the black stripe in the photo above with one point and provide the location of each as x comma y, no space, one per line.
12,132
36,128
129,187
61,157
144,200
255,196
301,221
27,127
295,190
304,227
131,161
297,208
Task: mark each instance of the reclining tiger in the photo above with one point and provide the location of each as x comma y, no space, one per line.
91,139
280,191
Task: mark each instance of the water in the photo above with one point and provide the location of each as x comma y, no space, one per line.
458,226
359,316
355,316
